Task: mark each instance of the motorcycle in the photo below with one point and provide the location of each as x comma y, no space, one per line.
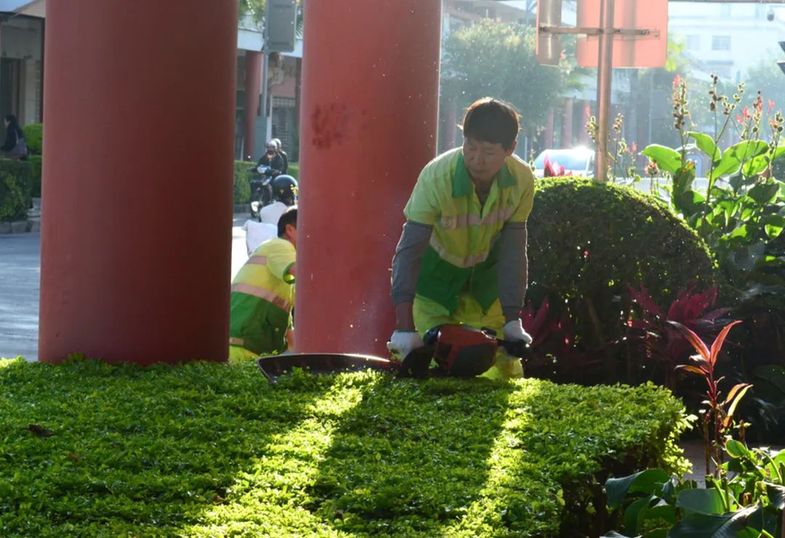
262,177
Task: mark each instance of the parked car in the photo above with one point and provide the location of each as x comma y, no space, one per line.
574,161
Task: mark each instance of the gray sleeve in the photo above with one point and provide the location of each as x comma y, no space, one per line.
513,268
406,262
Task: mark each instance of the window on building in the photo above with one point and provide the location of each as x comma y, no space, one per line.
720,42
693,42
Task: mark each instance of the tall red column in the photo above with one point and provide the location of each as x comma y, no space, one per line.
370,93
253,85
136,234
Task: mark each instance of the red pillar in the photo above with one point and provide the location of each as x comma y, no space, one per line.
370,92
136,241
253,85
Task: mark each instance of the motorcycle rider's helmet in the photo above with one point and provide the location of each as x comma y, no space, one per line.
284,189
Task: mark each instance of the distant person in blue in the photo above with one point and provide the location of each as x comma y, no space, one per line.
14,146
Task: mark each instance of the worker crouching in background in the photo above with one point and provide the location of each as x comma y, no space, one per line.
263,295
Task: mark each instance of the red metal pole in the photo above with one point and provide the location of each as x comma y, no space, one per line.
253,84
139,123
370,93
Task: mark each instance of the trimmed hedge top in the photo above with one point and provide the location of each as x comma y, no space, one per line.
589,241
211,450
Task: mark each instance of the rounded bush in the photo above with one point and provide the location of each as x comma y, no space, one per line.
34,137
589,241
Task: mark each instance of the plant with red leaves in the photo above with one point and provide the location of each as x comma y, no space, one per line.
717,417
660,340
552,169
554,355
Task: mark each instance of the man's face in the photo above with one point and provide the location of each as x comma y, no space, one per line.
291,234
484,159
271,149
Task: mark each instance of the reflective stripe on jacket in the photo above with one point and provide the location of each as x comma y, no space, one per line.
462,253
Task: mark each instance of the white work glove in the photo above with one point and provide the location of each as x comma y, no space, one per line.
513,331
403,342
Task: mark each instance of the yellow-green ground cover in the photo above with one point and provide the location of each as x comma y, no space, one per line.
88,449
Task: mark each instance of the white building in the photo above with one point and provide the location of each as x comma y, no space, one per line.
727,39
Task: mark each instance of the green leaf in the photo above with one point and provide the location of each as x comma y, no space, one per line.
706,144
689,202
649,481
748,149
633,511
667,159
729,164
737,449
776,495
755,166
702,501
763,193
740,231
695,525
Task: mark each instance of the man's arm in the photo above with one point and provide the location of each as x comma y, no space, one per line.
406,269
513,271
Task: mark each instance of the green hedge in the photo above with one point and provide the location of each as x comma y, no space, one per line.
34,137
213,450
588,241
242,185
14,190
35,162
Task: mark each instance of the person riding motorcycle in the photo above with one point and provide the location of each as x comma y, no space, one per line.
273,160
268,168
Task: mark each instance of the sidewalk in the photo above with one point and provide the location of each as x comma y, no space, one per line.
20,265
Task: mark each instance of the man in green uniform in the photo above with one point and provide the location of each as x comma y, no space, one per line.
263,295
461,257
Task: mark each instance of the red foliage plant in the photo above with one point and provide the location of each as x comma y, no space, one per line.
661,340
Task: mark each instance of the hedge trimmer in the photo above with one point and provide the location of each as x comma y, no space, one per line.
449,351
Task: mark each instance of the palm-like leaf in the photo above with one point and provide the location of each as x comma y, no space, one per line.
716,347
694,340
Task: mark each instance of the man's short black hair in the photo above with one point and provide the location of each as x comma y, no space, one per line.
288,217
491,120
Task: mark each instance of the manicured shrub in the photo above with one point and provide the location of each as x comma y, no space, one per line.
242,185
14,190
589,241
35,162
34,137
207,449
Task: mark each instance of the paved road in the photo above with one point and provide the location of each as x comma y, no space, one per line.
20,257
20,275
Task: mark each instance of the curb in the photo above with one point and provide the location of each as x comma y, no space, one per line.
20,226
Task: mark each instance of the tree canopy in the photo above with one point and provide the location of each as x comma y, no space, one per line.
489,58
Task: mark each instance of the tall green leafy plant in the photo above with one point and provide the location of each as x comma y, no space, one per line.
742,211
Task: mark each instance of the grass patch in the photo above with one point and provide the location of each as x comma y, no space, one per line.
204,449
